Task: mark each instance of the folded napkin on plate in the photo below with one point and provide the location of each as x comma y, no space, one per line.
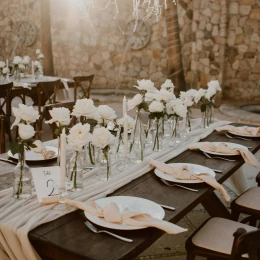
183,173
23,85
40,148
111,213
244,130
223,148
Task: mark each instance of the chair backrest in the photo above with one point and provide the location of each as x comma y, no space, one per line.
83,85
5,93
47,116
47,92
2,134
246,243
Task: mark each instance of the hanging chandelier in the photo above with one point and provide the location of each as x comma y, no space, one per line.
152,8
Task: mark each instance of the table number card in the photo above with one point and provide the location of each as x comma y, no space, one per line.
46,181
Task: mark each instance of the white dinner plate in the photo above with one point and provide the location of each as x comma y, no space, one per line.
230,145
243,135
193,168
32,156
134,203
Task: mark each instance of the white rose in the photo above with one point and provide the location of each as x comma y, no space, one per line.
102,137
191,92
156,107
5,70
199,94
106,114
187,99
180,110
25,113
60,115
2,64
17,60
26,60
149,96
21,66
146,85
40,56
130,122
165,96
85,107
26,131
79,136
168,85
38,51
211,91
214,84
136,101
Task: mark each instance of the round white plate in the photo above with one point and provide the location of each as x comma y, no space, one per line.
243,135
194,168
230,145
134,203
32,156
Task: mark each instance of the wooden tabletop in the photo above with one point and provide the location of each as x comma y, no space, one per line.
68,238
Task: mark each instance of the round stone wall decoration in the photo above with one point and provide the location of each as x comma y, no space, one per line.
139,38
27,32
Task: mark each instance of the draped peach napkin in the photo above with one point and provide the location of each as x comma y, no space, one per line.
223,148
111,213
47,154
183,173
244,130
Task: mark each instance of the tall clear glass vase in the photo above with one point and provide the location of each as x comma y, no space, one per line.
166,126
104,163
22,185
157,135
205,118
137,140
89,156
175,136
75,172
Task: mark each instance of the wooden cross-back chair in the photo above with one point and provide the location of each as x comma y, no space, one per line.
2,134
46,93
47,115
5,105
83,84
224,239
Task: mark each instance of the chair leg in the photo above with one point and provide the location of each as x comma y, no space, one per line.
235,215
190,256
252,222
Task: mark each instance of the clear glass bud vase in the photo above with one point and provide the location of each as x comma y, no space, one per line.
17,75
89,156
166,126
104,163
157,134
137,140
75,172
205,120
176,136
22,185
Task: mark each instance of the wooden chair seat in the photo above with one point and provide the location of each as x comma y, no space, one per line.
214,239
250,199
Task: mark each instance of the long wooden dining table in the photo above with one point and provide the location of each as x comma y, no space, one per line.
68,238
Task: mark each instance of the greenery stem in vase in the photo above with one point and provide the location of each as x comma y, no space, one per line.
106,156
175,127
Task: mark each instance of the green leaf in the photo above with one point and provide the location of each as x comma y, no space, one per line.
14,147
203,108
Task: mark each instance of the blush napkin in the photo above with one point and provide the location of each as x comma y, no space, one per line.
183,173
244,130
223,148
112,214
40,148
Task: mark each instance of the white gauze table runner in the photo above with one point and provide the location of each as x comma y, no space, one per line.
17,217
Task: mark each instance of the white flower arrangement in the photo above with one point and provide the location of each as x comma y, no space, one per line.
146,86
176,107
25,131
79,136
106,115
24,114
130,122
156,107
135,102
2,64
168,86
17,60
102,138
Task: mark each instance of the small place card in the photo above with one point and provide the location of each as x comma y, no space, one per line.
46,181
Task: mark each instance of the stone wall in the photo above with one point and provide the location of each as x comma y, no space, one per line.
11,14
80,48
223,45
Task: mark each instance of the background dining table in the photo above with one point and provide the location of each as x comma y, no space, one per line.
68,238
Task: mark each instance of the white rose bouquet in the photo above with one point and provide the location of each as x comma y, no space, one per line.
168,86
106,115
177,109
61,117
103,139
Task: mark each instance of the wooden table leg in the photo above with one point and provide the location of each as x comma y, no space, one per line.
215,207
